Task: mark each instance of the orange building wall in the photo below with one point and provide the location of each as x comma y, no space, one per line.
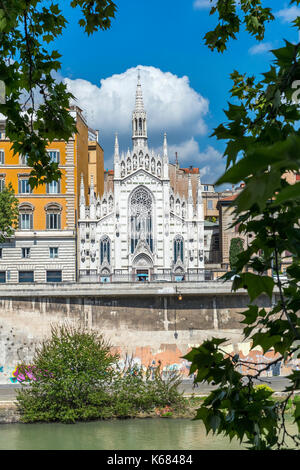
96,167
78,145
38,198
81,159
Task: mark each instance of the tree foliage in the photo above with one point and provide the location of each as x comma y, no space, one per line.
236,247
9,213
37,106
263,147
75,376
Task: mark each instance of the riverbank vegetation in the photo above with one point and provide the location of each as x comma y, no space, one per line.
75,376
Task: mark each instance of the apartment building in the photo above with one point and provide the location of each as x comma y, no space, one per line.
44,247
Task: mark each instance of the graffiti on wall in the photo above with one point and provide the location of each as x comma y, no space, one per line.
22,374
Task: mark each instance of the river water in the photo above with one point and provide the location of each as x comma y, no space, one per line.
135,434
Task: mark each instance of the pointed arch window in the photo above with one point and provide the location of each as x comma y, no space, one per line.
134,162
105,245
158,169
140,126
104,207
178,249
122,169
110,203
172,203
141,218
141,158
128,165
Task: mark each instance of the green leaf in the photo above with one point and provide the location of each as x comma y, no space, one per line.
257,285
291,192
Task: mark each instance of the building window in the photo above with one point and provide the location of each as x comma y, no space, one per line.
53,221
205,188
26,216
216,242
178,249
2,157
54,276
105,250
54,156
141,213
53,187
24,187
26,276
23,159
53,216
25,252
210,204
2,277
53,252
2,183
26,221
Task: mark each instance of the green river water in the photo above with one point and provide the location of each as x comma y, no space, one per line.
136,434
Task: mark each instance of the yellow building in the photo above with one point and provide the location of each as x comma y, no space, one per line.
96,163
44,246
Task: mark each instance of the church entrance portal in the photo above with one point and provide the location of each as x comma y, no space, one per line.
142,275
142,267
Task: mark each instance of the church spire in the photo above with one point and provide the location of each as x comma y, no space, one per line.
139,118
82,199
117,158
117,154
139,103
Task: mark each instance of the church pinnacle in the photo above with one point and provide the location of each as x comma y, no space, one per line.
139,103
139,118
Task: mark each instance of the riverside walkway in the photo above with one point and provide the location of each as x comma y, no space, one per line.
278,384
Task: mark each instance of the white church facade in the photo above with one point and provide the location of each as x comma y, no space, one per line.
149,223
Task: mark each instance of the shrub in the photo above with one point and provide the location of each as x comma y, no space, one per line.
73,371
76,377
264,387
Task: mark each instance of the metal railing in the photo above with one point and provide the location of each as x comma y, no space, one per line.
204,275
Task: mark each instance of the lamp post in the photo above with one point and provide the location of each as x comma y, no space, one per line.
175,332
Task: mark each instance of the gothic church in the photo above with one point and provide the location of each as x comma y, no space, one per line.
149,223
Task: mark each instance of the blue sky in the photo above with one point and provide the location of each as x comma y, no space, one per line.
165,38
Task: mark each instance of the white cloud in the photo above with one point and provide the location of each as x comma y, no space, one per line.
169,100
172,106
210,161
288,14
261,48
202,4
